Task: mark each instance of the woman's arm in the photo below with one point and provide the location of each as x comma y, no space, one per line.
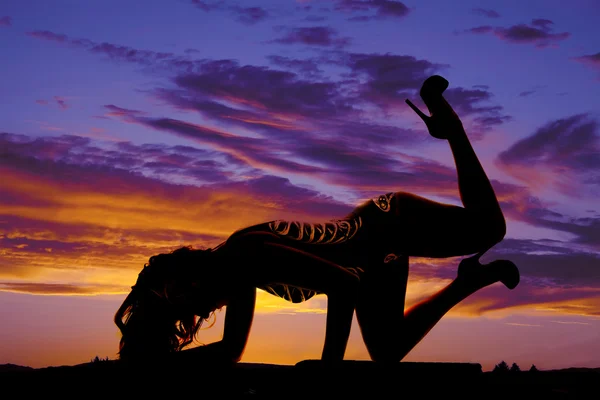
340,310
238,321
275,262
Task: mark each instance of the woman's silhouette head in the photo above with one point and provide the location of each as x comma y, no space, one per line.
166,306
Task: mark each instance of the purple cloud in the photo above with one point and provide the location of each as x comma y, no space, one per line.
479,29
61,102
208,6
389,77
393,78
179,163
526,93
120,53
337,162
541,263
486,12
325,131
114,111
251,15
245,15
275,90
382,80
317,121
6,21
591,60
312,36
544,24
535,89
468,102
306,67
551,262
372,9
118,111
538,32
566,148
47,35
173,173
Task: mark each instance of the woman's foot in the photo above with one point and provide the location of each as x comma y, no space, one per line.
443,120
471,271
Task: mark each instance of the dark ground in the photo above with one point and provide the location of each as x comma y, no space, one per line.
307,379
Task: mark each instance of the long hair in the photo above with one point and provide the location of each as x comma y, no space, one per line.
157,317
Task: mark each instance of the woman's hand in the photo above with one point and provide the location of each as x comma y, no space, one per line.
238,321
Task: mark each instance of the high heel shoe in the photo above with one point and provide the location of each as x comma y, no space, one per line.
443,118
505,271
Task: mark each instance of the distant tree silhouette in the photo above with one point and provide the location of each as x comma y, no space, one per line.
515,368
98,359
502,367
533,368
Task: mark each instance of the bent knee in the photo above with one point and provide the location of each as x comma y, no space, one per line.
385,355
490,231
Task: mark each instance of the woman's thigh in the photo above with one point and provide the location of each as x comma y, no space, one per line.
380,308
422,227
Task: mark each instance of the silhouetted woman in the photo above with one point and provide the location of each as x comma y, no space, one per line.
359,261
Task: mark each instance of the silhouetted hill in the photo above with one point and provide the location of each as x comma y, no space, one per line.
13,367
308,378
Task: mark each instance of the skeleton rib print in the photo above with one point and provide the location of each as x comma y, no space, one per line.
331,232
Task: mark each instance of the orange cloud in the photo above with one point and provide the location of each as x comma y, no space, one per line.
77,232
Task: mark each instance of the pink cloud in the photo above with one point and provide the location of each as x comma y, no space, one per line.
6,21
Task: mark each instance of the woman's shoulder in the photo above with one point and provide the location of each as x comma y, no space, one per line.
260,227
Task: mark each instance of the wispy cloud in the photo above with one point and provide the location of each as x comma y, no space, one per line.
538,32
486,12
562,154
120,53
590,60
312,36
570,322
5,21
245,15
59,101
380,80
62,102
366,10
60,288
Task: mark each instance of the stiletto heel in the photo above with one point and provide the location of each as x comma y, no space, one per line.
442,116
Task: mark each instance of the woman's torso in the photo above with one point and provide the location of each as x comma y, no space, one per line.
363,237
360,240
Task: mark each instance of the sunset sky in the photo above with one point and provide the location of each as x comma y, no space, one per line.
130,128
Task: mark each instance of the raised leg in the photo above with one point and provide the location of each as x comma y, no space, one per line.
432,229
